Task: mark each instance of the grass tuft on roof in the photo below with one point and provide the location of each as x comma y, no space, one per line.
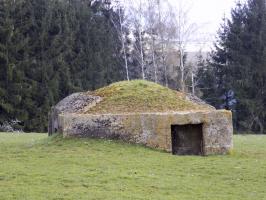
140,96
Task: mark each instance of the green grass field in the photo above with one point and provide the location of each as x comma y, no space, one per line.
33,167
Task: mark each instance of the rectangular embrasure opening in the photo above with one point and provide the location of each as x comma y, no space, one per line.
187,139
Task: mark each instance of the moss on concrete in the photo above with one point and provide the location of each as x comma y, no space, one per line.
140,96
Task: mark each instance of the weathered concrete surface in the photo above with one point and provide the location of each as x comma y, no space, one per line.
152,129
198,101
74,103
77,102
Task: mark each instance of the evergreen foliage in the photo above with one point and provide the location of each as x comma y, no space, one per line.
238,67
51,48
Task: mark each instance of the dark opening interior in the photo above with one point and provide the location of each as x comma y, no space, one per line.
187,139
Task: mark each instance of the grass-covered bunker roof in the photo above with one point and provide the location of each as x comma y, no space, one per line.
139,96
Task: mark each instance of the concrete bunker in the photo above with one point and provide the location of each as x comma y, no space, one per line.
145,113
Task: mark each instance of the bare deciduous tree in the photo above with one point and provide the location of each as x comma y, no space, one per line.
158,21
185,29
151,29
158,29
122,35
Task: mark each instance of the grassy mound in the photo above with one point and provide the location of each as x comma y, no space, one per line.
34,167
141,96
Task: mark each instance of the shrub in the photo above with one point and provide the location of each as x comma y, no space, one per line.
11,126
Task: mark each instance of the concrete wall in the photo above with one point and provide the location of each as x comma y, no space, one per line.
152,129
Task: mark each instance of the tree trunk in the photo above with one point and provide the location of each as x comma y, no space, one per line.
182,70
141,55
193,83
123,44
165,71
153,60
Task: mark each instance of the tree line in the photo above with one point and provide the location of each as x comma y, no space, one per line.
51,48
154,36
235,76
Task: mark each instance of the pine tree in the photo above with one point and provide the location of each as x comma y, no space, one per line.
251,79
219,68
10,75
238,64
5,107
51,48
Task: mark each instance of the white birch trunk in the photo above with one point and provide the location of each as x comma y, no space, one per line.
153,60
182,70
123,44
193,82
140,40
